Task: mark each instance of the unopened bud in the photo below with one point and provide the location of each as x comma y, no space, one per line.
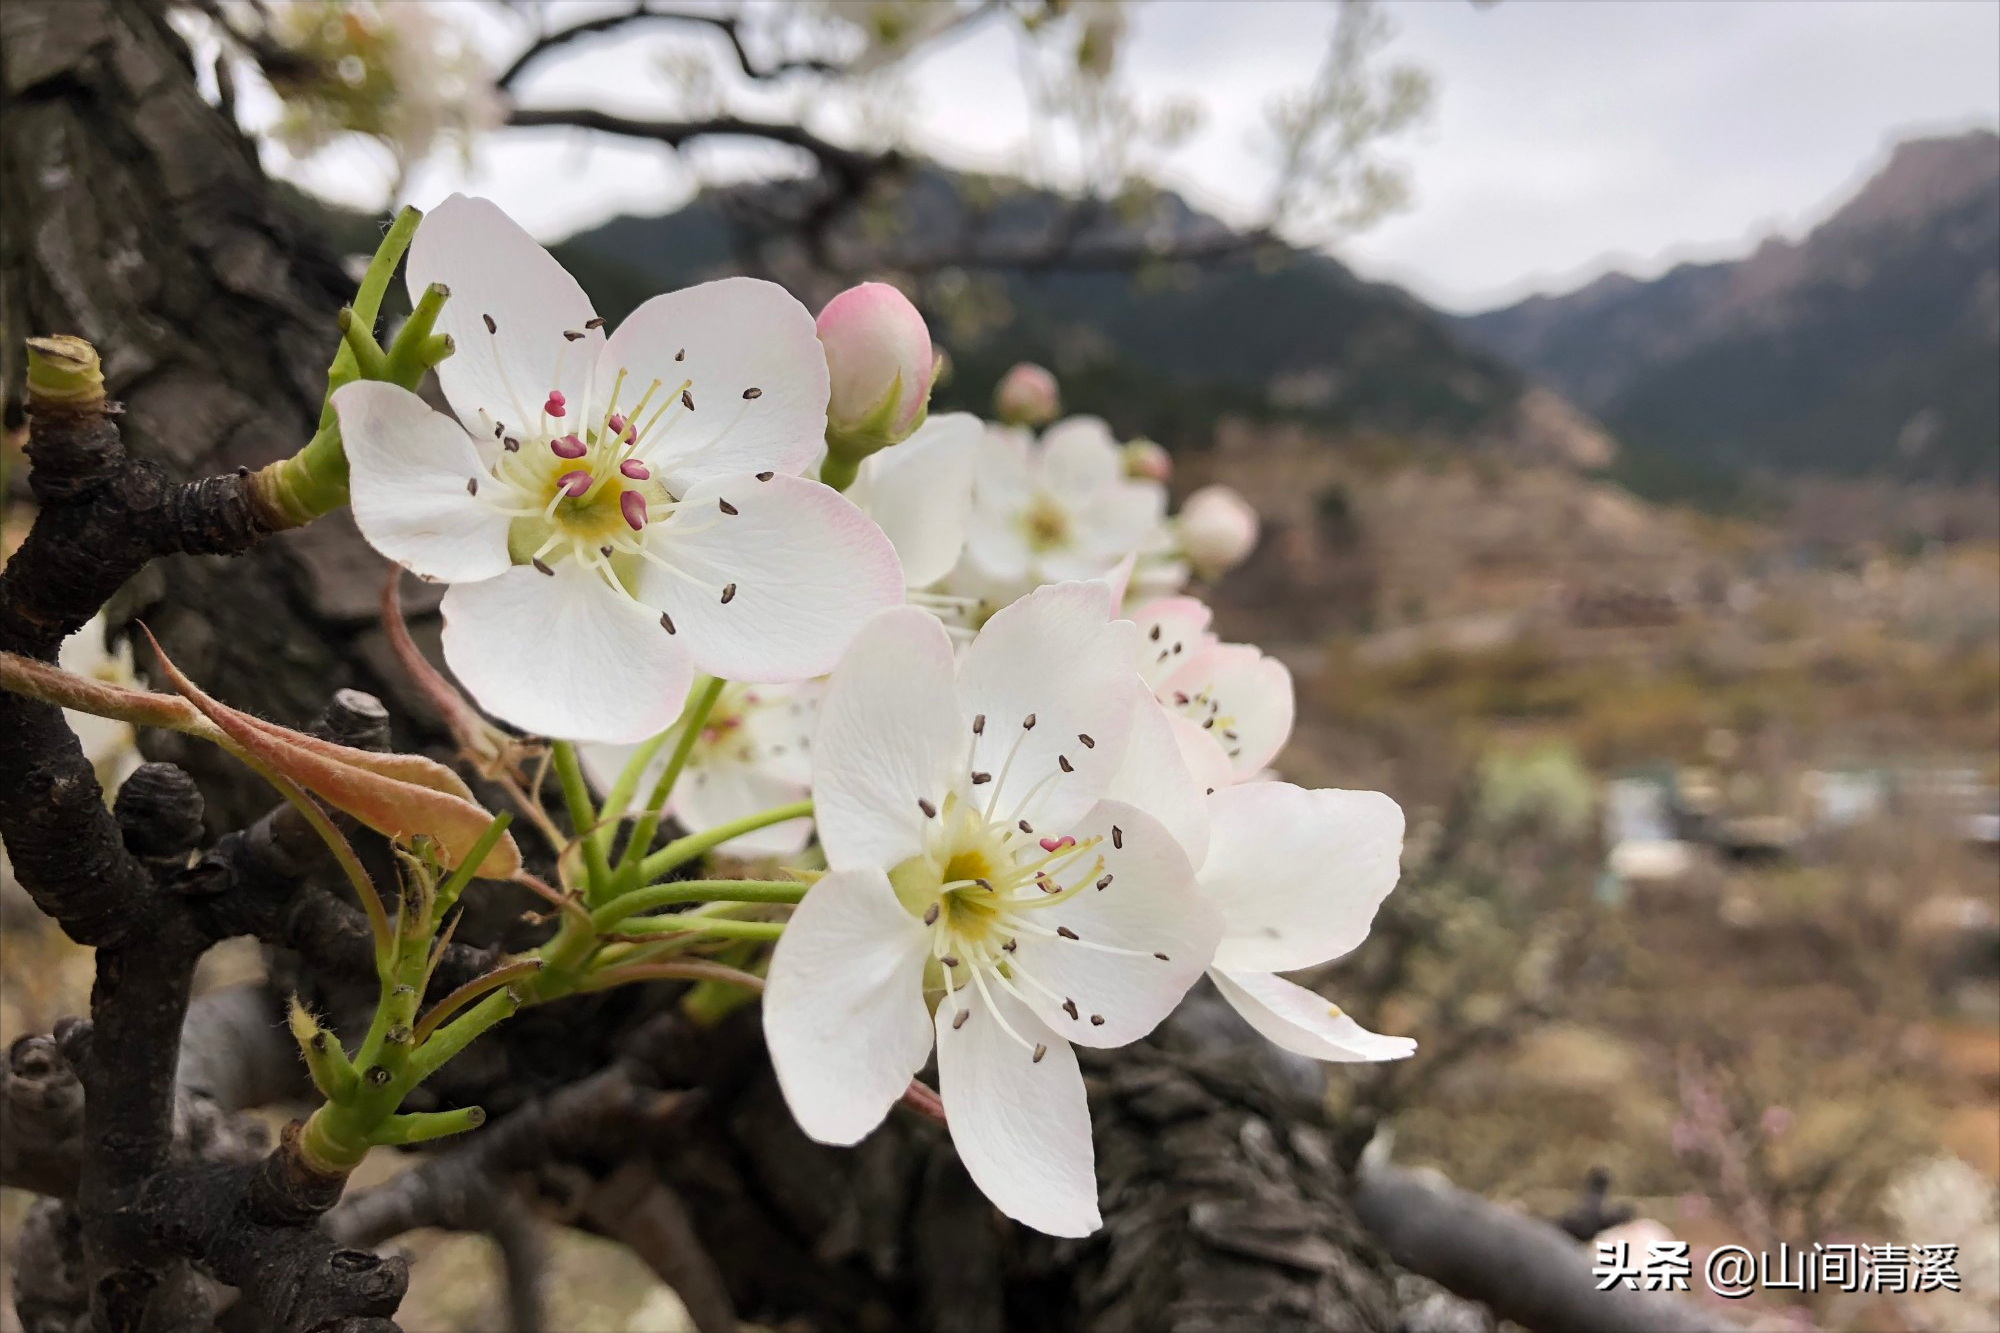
1147,461
1027,396
880,363
1217,529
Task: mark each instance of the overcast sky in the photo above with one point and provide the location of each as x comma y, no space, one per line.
1569,137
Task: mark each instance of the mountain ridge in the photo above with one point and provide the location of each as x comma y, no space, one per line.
1868,346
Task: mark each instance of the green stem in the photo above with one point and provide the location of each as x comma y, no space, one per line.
682,850
839,471
423,1126
696,891
648,827
448,892
619,799
367,307
456,1035
718,927
471,991
680,970
582,818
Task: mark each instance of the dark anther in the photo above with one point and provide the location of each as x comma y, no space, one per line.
595,322
491,327
765,476
687,399
1066,932
1088,743
728,593
1117,837
1062,761
727,507
573,334
930,811
753,393
666,622
542,567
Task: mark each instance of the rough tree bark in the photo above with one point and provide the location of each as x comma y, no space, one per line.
137,217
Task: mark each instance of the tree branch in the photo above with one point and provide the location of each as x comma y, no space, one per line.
853,168
728,25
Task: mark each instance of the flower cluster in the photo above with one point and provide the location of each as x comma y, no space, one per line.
947,671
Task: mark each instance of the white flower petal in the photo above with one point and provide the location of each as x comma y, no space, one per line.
1242,696
920,493
1201,750
411,472
752,365
1297,874
1057,657
1302,1022
1021,1126
891,734
712,794
497,271
561,654
1155,777
1079,456
1150,908
1170,629
844,1012
1124,515
808,570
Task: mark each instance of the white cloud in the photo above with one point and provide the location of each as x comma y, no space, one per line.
1570,136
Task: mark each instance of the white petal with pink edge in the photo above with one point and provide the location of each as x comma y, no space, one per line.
1242,697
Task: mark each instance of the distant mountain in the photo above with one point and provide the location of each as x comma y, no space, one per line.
1162,351
1871,346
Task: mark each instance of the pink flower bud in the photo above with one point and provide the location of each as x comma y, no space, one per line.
879,358
1147,461
1218,528
1027,396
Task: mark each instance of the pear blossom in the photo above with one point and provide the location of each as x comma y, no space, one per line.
983,895
1057,508
1027,396
754,751
879,356
920,494
612,513
1230,695
1297,876
1217,528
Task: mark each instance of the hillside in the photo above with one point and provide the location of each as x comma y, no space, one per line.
1280,336
1868,347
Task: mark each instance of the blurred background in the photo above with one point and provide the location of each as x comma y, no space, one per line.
1619,389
